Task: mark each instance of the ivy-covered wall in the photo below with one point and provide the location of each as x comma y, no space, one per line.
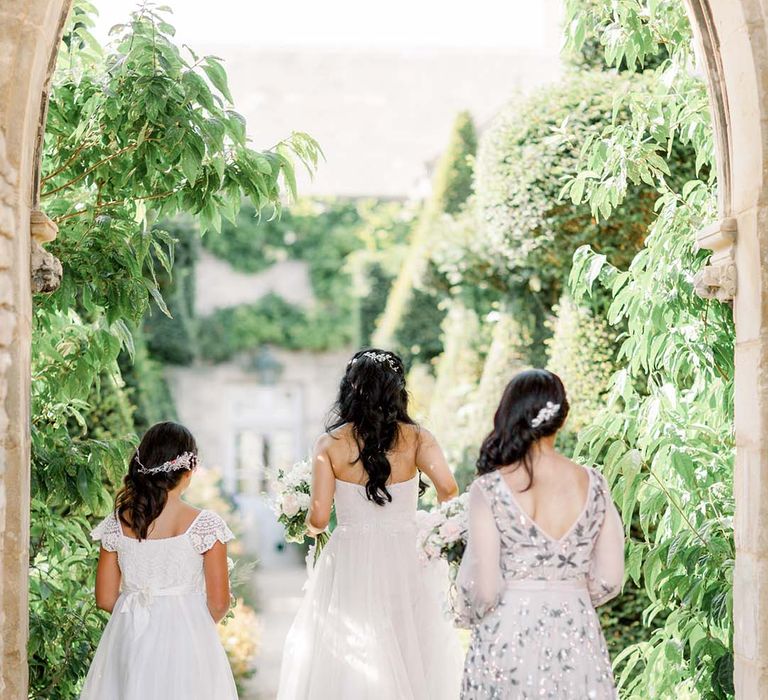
351,248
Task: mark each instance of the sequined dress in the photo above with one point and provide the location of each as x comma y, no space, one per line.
160,642
530,599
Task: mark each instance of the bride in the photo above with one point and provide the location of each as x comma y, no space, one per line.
370,626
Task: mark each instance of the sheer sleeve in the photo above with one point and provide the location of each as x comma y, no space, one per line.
606,572
479,581
107,532
208,529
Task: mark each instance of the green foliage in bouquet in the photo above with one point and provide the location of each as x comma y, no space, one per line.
293,487
134,134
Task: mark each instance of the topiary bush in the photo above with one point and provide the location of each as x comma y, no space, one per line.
453,181
526,232
582,351
402,325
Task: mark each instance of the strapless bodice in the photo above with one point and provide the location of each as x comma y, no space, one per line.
354,509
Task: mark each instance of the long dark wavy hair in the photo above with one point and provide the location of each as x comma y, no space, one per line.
143,496
512,438
374,401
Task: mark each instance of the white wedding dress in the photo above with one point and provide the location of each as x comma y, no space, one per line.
160,642
371,625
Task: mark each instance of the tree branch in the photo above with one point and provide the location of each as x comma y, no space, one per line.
115,203
103,161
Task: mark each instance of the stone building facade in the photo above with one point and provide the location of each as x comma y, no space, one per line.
733,39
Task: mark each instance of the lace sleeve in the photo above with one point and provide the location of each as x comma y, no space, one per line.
208,529
107,532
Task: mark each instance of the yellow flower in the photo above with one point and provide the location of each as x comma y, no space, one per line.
240,638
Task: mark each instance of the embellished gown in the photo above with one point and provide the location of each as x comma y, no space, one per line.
160,642
530,599
371,626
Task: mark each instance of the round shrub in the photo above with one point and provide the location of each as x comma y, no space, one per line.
528,233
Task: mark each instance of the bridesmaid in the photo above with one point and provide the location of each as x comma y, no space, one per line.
546,545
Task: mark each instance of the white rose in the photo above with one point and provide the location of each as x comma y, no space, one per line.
450,531
303,500
431,550
289,504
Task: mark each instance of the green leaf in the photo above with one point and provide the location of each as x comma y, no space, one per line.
218,77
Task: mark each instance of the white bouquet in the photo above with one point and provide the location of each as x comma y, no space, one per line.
292,490
443,532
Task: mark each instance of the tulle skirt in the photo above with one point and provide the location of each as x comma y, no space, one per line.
371,625
168,650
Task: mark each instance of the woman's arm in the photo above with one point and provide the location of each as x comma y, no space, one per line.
431,461
606,573
107,580
479,581
323,488
217,581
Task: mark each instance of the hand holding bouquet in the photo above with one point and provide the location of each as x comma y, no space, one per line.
443,532
292,498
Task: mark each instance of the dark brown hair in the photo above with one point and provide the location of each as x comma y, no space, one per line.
513,435
374,401
143,496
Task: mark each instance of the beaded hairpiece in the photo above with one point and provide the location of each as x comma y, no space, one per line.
186,460
379,357
545,414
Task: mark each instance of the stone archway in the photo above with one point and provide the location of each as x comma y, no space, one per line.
29,39
733,40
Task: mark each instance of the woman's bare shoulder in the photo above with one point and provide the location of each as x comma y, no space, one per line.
576,473
415,434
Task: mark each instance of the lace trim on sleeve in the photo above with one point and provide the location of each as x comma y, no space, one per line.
108,533
208,529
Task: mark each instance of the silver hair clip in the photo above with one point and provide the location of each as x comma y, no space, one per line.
186,460
545,414
380,357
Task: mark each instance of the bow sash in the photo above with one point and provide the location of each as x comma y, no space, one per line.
137,602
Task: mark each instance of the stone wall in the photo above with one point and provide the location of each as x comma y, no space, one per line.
29,36
218,285
733,41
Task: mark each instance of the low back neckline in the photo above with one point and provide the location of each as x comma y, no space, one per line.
524,513
157,539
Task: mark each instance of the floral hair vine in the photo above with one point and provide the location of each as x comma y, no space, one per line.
380,357
545,414
186,460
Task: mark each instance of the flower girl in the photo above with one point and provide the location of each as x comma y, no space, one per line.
163,575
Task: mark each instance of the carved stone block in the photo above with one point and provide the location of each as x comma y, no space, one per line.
42,228
718,279
46,270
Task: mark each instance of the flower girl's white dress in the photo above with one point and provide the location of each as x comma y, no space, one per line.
371,625
161,642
